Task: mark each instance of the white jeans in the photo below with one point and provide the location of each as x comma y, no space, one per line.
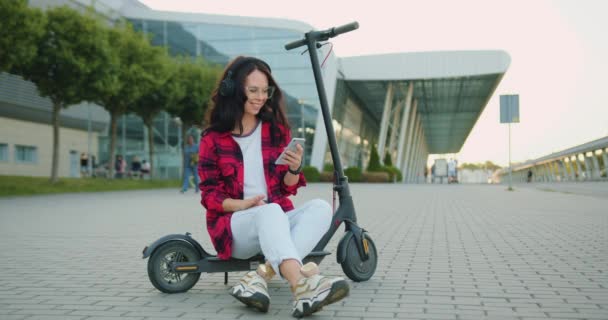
279,236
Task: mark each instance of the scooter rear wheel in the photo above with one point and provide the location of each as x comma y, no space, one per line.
353,265
159,270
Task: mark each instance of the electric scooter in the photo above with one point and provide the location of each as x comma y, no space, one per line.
176,261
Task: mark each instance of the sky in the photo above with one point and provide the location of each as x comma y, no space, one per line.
558,49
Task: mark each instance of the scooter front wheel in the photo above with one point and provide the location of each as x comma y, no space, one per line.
354,266
159,267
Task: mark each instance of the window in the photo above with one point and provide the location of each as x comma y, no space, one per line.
3,152
25,154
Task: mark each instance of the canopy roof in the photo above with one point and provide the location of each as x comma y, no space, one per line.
451,88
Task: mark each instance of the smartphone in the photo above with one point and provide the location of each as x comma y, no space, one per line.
291,146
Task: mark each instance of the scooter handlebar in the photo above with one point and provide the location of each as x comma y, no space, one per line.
343,29
324,35
295,44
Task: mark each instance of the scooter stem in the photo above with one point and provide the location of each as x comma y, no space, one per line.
311,40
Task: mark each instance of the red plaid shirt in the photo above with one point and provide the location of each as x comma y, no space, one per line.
221,171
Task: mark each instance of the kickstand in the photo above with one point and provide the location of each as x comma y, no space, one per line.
225,278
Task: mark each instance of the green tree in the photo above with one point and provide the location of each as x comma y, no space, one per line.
489,165
21,28
469,166
197,79
388,160
70,66
159,96
134,72
374,160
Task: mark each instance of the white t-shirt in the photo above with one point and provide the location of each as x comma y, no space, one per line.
253,163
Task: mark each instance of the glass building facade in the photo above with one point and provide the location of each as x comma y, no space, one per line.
219,43
219,39
132,141
356,130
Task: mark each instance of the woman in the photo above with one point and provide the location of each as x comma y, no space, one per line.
246,193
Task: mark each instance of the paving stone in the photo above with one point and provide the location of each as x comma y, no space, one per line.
114,318
46,312
450,252
54,317
13,316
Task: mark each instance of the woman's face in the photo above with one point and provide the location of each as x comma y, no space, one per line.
256,89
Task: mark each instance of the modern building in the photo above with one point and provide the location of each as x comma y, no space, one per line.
407,104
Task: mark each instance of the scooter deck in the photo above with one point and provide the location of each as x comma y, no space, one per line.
213,264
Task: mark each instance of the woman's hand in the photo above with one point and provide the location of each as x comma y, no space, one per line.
253,202
232,205
294,159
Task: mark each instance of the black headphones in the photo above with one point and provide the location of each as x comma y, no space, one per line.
227,86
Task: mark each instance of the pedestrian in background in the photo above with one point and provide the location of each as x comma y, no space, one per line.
190,164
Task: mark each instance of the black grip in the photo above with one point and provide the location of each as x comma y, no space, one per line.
295,44
343,29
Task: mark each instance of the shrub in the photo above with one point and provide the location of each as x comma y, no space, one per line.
328,167
394,174
388,160
311,173
374,161
378,177
354,174
326,176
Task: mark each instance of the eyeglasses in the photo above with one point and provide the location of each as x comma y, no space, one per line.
254,91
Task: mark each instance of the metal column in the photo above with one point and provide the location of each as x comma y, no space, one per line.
417,172
562,170
579,167
410,151
571,174
404,127
388,103
605,158
395,127
408,146
552,177
596,166
588,169
415,155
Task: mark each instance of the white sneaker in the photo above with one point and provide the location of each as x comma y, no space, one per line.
266,272
315,291
252,290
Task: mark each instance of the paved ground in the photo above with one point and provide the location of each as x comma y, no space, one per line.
446,252
594,189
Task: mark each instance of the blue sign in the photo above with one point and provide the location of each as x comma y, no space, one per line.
509,108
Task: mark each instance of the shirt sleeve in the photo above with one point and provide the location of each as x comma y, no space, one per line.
211,186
